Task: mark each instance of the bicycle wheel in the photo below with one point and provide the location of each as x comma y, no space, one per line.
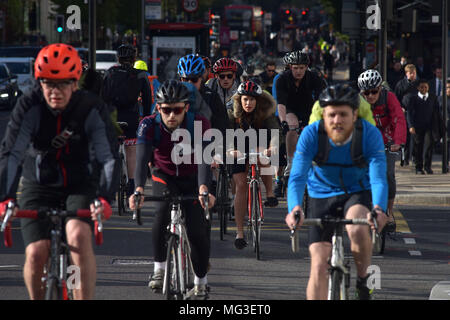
336,286
222,195
186,266
382,240
172,285
137,216
256,222
305,203
122,192
52,291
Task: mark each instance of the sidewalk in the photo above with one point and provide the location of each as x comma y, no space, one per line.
415,189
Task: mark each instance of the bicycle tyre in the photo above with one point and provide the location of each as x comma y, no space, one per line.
172,283
137,214
382,241
52,291
222,203
220,206
256,227
188,271
305,203
335,284
122,192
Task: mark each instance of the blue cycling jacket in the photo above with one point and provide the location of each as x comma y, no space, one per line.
328,181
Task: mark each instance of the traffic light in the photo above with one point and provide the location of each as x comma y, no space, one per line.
215,26
60,23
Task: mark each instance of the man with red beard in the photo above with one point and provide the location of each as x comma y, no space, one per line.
341,158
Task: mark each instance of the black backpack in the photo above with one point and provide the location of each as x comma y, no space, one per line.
324,148
122,87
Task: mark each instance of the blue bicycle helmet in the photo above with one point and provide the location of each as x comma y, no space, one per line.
191,66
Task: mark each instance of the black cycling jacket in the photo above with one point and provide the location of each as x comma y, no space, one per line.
299,100
90,154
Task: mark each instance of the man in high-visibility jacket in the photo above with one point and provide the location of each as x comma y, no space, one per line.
153,80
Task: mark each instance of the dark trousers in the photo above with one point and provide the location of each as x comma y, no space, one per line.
423,148
196,224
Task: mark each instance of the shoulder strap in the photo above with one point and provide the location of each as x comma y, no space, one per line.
356,147
323,146
84,103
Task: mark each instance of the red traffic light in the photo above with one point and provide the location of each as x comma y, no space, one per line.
303,12
288,12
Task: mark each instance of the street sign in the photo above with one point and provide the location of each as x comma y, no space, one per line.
190,6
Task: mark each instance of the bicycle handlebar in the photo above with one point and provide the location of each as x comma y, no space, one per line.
177,199
253,155
44,213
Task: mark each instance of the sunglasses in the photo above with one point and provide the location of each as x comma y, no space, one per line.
229,76
190,79
61,85
371,92
270,70
176,110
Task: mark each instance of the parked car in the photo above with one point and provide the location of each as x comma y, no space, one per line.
24,51
23,68
105,59
9,89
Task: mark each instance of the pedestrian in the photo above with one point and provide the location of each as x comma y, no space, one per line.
404,88
424,124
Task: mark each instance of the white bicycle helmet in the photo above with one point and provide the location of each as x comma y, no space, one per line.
369,79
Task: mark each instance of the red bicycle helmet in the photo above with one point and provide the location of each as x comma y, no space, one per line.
249,88
225,64
58,61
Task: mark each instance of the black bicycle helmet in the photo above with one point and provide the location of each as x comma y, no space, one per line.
339,94
172,91
296,57
369,79
126,51
249,88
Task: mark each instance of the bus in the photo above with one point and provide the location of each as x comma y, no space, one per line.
244,18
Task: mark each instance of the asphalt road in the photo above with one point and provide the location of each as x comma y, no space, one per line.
410,267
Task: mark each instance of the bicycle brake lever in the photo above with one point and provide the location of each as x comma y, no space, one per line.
98,204
8,214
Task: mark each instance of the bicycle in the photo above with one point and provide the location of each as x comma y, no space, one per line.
55,273
179,275
339,271
254,200
123,182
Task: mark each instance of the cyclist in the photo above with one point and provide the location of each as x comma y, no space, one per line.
296,89
253,109
207,74
226,81
391,122
177,179
122,87
339,177
153,81
55,173
191,69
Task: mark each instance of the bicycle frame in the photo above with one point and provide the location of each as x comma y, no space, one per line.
339,266
177,229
